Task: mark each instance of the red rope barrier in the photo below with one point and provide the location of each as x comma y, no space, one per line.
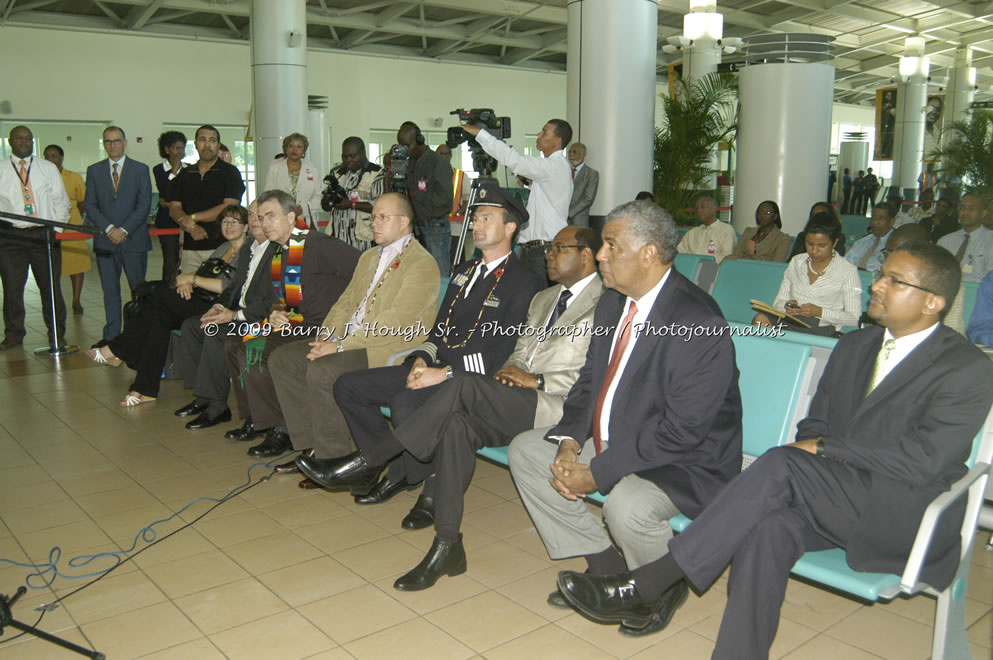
72,235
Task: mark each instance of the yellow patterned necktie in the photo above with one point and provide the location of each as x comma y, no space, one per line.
884,355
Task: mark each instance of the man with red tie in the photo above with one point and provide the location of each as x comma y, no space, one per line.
654,418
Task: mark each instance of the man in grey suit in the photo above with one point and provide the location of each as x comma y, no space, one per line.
118,201
585,181
474,411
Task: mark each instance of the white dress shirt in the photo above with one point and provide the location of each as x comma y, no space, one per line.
551,187
490,267
50,198
575,290
697,240
838,292
978,258
904,345
387,253
257,250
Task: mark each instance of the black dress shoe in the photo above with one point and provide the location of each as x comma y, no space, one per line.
558,601
444,558
205,421
190,409
422,515
384,490
351,471
275,443
671,601
246,432
289,467
606,598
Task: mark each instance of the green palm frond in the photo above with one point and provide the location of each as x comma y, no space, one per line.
966,151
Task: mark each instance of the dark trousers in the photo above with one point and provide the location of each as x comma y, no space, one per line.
846,201
465,414
304,389
253,386
109,265
361,394
786,503
534,259
21,249
201,361
170,256
144,345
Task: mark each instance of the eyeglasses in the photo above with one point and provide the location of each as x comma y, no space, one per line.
556,248
892,281
381,217
230,221
114,141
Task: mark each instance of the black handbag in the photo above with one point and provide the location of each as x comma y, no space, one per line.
139,298
216,268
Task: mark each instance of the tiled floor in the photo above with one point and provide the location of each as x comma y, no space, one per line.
279,572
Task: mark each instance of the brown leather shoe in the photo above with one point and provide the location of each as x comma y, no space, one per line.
9,343
307,484
287,468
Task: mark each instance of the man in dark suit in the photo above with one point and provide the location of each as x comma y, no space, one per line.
484,298
326,267
118,201
585,181
654,419
889,429
247,300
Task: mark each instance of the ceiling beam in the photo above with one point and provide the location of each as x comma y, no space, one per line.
110,14
396,11
138,16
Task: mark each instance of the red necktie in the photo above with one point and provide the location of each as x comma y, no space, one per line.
574,174
615,361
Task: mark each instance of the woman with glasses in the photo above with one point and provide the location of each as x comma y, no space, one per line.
144,344
765,241
819,287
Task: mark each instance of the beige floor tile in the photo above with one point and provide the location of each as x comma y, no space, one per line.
310,581
116,501
498,563
823,647
346,617
192,574
13,498
697,608
501,520
67,579
337,653
43,516
187,486
789,635
13,480
548,643
382,558
980,652
308,510
684,645
82,534
480,498
142,631
980,555
883,633
445,592
237,528
485,621
814,607
472,537
193,507
198,649
185,543
500,484
30,648
284,635
532,592
274,491
922,609
111,596
981,583
341,533
128,524
99,481
417,638
25,610
608,638
981,632
530,542
230,605
272,552
388,515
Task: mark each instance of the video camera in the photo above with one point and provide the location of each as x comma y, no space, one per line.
399,159
498,127
333,193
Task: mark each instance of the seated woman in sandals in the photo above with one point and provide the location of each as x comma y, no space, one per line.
819,287
144,344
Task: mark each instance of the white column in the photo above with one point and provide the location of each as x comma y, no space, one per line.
853,154
611,93
321,152
908,133
961,87
279,76
784,137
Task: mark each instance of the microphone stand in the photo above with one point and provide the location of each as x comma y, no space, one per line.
7,619
54,349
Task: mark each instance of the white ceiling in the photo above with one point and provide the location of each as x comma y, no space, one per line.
868,34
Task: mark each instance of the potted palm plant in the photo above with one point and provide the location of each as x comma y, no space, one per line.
966,153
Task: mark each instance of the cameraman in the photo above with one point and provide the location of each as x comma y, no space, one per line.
353,187
551,187
429,187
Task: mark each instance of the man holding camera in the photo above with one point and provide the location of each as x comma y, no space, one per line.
551,186
353,187
429,187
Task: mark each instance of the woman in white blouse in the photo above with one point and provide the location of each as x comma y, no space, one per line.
819,286
297,176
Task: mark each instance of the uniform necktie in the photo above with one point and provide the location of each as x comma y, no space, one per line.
25,177
615,361
117,178
559,308
877,370
868,255
574,174
958,255
476,280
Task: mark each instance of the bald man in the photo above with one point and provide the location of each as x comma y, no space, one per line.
711,236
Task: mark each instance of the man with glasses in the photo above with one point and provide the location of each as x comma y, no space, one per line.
33,187
118,201
889,429
867,252
199,195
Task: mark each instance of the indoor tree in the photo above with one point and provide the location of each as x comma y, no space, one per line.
966,151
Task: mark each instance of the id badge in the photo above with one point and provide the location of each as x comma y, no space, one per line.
310,176
422,185
29,209
353,195
491,302
965,269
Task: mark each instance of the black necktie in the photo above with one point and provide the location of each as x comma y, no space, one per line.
482,275
560,307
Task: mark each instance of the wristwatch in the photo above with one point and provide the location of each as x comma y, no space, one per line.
819,446
449,372
541,382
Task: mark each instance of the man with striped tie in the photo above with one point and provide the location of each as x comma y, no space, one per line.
118,201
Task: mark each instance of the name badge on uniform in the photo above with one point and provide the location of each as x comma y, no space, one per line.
492,301
29,209
353,195
310,176
460,280
422,185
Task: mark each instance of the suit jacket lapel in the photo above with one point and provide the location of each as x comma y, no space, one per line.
578,307
916,362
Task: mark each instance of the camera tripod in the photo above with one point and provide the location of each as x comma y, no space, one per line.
7,619
469,212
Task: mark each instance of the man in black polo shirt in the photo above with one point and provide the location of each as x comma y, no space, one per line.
200,193
429,187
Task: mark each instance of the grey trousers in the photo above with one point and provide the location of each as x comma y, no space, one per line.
637,511
201,360
305,392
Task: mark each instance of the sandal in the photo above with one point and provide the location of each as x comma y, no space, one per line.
97,356
133,399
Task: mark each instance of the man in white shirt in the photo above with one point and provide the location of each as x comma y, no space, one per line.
118,201
585,181
711,236
32,187
867,252
973,244
551,186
